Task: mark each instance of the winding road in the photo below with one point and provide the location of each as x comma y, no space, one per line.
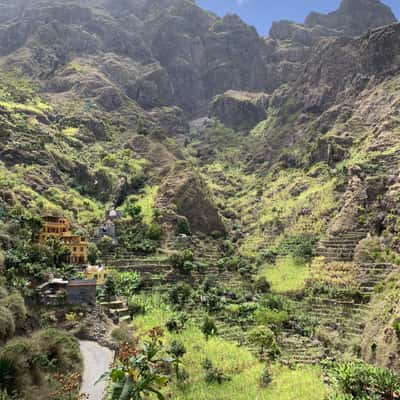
96,361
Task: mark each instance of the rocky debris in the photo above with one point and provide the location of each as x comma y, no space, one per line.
239,110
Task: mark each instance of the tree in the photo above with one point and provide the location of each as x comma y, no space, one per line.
180,294
209,328
94,253
109,289
59,253
134,211
105,245
263,337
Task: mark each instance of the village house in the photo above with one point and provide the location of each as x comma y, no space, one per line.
62,292
98,273
59,227
107,228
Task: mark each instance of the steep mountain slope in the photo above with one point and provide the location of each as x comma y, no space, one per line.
212,131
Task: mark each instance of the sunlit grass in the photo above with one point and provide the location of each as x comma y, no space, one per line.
147,203
287,275
70,131
27,108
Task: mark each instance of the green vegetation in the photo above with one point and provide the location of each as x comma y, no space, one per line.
216,368
287,275
35,362
357,380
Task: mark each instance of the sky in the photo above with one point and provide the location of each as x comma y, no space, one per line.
261,13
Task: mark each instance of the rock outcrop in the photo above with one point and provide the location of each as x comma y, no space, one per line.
239,110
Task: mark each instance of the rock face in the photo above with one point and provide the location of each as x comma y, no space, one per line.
164,52
354,17
239,110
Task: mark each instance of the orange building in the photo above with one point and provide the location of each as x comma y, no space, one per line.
59,227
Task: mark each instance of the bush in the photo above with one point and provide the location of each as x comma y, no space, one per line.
362,381
182,261
126,283
7,374
261,285
266,377
15,303
180,294
368,250
183,227
123,334
136,306
212,374
209,328
396,326
94,253
7,324
177,323
154,232
275,319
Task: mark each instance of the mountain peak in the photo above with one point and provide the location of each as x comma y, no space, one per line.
354,17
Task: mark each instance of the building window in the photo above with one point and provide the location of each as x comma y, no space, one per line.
74,248
82,249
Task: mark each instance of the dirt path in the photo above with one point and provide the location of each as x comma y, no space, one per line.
96,360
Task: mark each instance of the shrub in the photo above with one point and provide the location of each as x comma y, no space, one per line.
275,319
368,250
3,292
209,328
154,232
182,261
177,350
123,334
15,303
180,294
396,326
177,323
136,306
109,289
7,374
183,227
126,283
7,324
212,374
266,377
261,285
25,355
362,381
105,245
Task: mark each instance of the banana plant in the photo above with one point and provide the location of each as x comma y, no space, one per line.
138,370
